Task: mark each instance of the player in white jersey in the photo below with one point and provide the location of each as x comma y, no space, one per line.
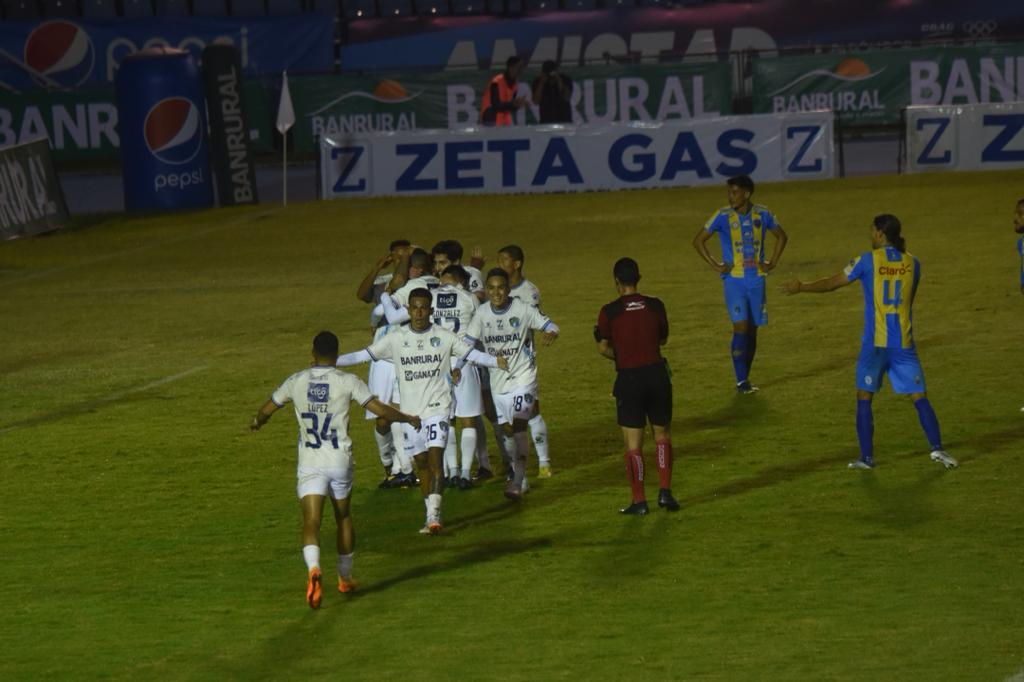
454,308
504,326
422,353
511,259
381,378
449,252
321,395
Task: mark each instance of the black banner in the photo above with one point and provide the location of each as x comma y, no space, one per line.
230,154
31,199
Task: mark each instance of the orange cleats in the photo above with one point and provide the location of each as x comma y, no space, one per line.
313,589
434,528
346,585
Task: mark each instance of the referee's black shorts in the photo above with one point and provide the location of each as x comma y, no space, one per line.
644,394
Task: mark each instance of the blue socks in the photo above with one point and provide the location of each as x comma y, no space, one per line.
751,348
739,357
866,431
929,422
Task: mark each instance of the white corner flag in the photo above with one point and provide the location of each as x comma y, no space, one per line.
285,120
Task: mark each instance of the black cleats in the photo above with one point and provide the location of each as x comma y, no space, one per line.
636,509
464,484
483,474
666,501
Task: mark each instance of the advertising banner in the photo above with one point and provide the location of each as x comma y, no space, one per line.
973,137
867,88
230,155
347,104
69,54
579,38
573,159
31,200
83,125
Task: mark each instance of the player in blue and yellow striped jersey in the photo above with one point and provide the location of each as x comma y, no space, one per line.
889,277
742,227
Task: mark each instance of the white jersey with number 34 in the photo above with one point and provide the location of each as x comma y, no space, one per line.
321,396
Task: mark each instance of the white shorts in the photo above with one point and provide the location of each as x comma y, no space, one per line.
468,401
520,403
433,433
317,481
383,383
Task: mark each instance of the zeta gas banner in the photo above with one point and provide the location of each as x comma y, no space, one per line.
579,38
965,137
874,87
66,54
82,125
343,105
574,159
31,200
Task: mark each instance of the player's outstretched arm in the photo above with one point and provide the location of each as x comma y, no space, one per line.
394,313
263,416
700,244
391,414
356,358
780,245
549,333
818,286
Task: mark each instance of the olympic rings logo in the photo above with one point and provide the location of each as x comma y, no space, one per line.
980,29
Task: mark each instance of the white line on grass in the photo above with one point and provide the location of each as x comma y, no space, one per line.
106,400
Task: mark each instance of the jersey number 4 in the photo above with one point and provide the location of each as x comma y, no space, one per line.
317,435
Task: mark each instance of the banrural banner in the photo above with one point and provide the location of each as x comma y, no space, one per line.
867,88
31,199
82,124
350,104
604,156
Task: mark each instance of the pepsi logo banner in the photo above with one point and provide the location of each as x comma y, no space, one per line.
172,130
575,159
964,137
65,54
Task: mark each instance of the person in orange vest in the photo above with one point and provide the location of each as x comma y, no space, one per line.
500,96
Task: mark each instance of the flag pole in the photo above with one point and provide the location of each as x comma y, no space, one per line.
285,120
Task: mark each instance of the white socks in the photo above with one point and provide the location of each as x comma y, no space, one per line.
451,456
311,553
539,431
398,439
386,448
468,445
345,565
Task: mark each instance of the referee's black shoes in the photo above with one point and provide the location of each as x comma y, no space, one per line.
636,509
666,501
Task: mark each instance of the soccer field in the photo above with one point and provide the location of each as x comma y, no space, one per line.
146,533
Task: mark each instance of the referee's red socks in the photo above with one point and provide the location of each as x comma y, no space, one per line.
635,472
663,450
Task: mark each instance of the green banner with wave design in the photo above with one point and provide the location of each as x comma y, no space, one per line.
871,88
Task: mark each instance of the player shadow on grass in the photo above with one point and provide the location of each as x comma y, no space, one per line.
480,553
740,410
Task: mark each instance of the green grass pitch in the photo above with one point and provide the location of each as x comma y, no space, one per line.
146,534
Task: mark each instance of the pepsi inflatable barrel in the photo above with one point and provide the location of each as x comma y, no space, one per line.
162,115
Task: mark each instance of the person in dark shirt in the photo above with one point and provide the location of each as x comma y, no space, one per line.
500,100
630,331
552,92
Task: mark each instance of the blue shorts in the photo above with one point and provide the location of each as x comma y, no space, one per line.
901,364
745,300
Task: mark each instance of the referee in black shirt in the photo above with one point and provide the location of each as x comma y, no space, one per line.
631,330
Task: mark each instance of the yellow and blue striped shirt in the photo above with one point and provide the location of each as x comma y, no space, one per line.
889,279
742,236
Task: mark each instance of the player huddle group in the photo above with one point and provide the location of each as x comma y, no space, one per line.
451,345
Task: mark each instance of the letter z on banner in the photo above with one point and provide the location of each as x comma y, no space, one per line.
539,159
964,137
